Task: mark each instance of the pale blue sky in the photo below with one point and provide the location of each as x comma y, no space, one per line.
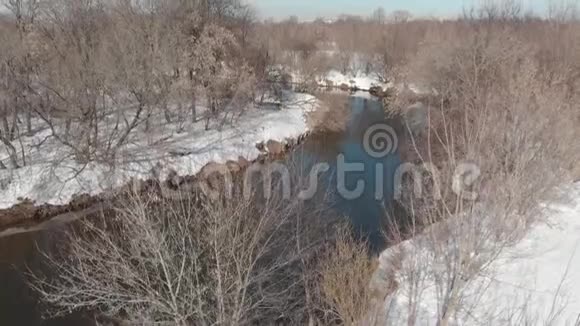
310,9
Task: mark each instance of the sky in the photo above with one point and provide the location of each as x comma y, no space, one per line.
310,9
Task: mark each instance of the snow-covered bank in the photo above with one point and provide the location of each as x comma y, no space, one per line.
52,178
361,81
356,80
534,282
335,78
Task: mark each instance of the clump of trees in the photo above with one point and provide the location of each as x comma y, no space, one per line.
93,72
377,46
500,140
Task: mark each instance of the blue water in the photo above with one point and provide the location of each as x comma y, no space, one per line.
367,212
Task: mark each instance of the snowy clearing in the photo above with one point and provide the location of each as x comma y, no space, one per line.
53,177
357,79
532,283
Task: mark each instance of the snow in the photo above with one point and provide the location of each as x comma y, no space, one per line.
364,81
353,79
357,79
534,282
52,177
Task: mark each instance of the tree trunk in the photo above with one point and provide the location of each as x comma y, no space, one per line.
95,127
29,122
211,113
207,121
453,300
11,151
193,108
166,112
5,124
12,133
67,125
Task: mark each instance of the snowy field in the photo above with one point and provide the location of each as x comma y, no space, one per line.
52,176
535,282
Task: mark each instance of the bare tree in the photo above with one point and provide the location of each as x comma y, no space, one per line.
188,260
401,16
18,64
379,16
459,233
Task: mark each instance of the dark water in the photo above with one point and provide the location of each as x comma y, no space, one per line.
366,212
17,252
18,304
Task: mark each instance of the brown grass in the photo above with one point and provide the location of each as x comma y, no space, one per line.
332,115
346,273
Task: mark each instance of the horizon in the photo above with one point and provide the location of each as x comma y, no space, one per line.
308,10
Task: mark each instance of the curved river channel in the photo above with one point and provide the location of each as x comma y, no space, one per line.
350,163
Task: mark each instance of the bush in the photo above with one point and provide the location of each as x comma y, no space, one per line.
345,276
502,112
187,261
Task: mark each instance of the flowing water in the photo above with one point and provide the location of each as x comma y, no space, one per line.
367,211
375,173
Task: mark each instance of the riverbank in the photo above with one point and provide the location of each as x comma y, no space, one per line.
48,187
532,281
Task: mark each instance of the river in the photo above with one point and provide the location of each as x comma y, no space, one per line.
366,211
376,171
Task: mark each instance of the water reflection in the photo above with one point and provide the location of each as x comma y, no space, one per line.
367,211
18,304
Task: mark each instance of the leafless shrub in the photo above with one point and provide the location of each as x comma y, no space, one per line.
190,260
505,116
345,276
